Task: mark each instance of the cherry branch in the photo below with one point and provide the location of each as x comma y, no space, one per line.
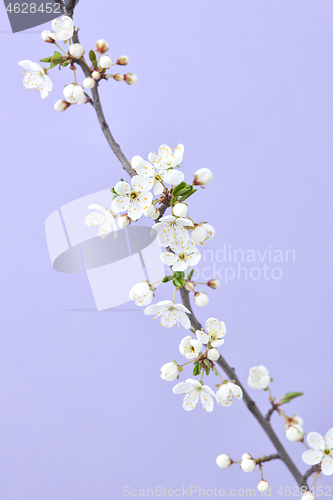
264,422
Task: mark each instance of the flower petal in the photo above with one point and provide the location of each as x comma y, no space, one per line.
316,441
327,466
312,457
122,188
120,204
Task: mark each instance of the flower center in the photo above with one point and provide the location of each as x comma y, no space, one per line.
182,256
158,178
133,195
327,451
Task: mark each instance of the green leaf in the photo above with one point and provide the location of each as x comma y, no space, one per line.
207,369
166,279
190,274
56,59
179,283
179,274
46,59
187,195
289,396
66,63
196,369
92,57
178,188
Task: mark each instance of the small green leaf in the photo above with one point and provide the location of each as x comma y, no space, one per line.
196,369
166,279
187,195
289,396
92,57
207,370
190,274
46,59
179,283
178,188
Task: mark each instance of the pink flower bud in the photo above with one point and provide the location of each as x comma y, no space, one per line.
123,60
130,78
119,77
214,283
101,46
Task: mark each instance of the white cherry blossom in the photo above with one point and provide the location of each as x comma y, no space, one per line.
102,218
190,347
134,199
165,158
227,392
258,377
216,331
171,232
170,313
141,293
63,29
169,372
321,452
156,177
35,78
184,257
202,234
194,391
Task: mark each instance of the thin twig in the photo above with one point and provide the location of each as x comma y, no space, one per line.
271,411
262,460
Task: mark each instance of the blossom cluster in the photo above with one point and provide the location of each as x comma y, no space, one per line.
63,30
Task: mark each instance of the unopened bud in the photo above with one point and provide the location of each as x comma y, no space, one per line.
223,461
123,60
308,495
46,36
105,62
213,354
263,485
246,455
189,286
248,465
101,46
150,211
124,221
180,210
119,77
89,83
61,105
136,160
201,299
202,177
96,75
130,78
214,283
76,50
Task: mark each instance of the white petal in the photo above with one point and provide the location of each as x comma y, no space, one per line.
316,441
135,210
158,188
182,388
122,188
139,183
120,204
327,466
174,177
191,400
328,438
168,258
207,401
312,457
203,336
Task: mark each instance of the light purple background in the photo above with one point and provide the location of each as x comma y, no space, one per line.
246,86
